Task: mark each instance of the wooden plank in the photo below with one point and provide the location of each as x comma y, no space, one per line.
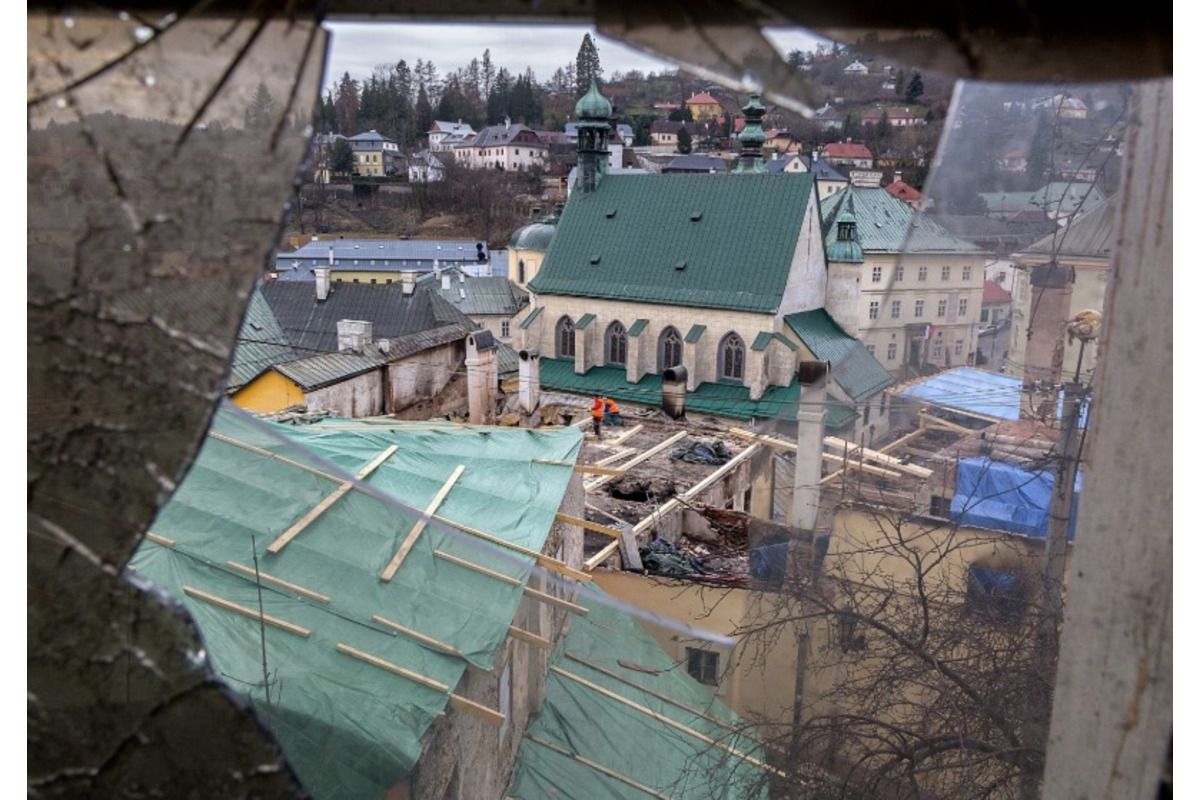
602,555
626,436
624,452
462,562
396,669
938,422
557,602
665,698
668,507
588,469
651,453
874,455
528,636
599,768
870,469
628,546
320,508
161,540
543,560
229,605
666,720
390,570
460,703
275,457
291,587
420,637
770,441
587,523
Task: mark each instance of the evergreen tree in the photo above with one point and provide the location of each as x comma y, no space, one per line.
341,157
587,65
916,88
345,104
261,112
900,86
423,111
684,144
499,98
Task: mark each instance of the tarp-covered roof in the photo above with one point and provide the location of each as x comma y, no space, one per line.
583,738
975,391
350,728
1005,497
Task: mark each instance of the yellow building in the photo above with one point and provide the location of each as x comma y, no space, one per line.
704,107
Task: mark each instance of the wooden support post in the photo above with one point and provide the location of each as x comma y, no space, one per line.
291,587
629,548
324,505
529,637
398,559
245,612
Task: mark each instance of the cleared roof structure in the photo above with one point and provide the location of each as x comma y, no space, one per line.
667,239
363,640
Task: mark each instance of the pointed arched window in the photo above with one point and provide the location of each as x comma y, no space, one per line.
670,349
564,338
732,355
616,344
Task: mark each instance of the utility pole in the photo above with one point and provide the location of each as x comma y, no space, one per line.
1054,566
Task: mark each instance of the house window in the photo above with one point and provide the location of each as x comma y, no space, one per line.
733,357
1001,276
895,309
962,307
945,273
849,639
937,349
983,315
891,351
615,344
505,330
564,337
919,309
958,347
873,310
876,274
922,273
995,593
871,349
521,271
702,665
670,349
899,272
941,308
966,273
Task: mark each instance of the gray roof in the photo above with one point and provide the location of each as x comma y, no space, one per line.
369,137
311,324
1089,235
387,255
499,135
535,236
1057,199
326,369
823,171
478,296
885,224
696,162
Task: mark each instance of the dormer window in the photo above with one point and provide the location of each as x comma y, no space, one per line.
846,231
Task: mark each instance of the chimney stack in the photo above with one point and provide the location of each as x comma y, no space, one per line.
353,335
810,444
482,378
529,383
321,278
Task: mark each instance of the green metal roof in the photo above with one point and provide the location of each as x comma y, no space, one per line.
718,399
855,370
737,252
594,105
764,339
525,323
1058,199
639,325
886,224
694,334
349,728
584,321
534,236
596,709
261,342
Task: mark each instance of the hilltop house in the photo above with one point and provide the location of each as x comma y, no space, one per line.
700,281
506,146
846,154
704,107
445,136
374,154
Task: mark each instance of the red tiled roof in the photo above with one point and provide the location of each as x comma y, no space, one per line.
902,190
847,150
703,97
995,293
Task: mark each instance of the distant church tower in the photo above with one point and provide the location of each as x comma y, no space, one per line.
593,111
752,136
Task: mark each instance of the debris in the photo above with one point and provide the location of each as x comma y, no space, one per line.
714,452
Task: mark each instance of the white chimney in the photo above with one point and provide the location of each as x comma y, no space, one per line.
896,177
810,444
385,346
446,281
331,255
408,282
321,278
353,334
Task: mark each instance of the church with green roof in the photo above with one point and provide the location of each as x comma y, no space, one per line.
692,276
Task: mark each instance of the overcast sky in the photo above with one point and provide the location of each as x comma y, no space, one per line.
359,47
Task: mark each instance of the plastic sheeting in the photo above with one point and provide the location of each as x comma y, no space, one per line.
1000,496
352,729
591,726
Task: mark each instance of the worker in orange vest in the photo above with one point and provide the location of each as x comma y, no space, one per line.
597,414
612,413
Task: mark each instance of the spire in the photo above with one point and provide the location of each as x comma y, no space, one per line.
846,246
752,136
593,110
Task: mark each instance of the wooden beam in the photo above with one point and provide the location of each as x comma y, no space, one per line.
557,602
543,560
587,523
624,452
456,701
462,562
320,508
762,438
161,540
602,555
420,637
246,612
626,436
274,456
666,720
390,570
651,453
528,636
890,446
879,458
598,767
851,463
665,698
666,508
938,422
291,587
589,469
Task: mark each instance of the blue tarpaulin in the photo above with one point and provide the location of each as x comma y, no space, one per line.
1000,496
